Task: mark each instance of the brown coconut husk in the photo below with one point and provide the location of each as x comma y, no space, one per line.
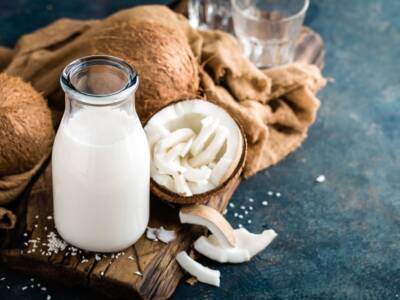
6,55
234,173
26,136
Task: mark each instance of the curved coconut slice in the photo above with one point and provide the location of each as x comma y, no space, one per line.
220,254
209,154
176,137
175,151
155,132
247,245
204,144
212,219
209,126
220,169
197,175
165,166
186,148
202,273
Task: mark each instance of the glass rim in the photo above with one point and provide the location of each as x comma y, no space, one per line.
99,99
299,13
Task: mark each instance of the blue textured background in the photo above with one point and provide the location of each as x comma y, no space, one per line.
339,239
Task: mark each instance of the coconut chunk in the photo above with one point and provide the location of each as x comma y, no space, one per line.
209,154
155,132
200,187
220,170
196,174
181,187
176,137
166,236
160,234
209,126
175,151
164,180
202,273
165,166
247,246
212,219
151,233
186,148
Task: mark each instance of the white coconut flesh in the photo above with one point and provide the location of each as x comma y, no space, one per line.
247,245
211,219
195,146
202,273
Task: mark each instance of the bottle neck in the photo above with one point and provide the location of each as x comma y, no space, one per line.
99,81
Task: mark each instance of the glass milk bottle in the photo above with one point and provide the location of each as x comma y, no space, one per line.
100,159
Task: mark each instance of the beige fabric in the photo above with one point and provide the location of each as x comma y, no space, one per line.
275,106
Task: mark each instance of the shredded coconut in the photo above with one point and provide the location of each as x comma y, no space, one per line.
320,179
55,244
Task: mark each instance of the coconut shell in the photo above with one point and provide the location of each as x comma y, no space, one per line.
166,195
161,55
26,129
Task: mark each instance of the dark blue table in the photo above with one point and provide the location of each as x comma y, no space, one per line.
337,240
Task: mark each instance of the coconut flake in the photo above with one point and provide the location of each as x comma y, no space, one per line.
186,148
164,180
176,137
209,126
220,170
209,154
162,234
320,179
181,186
166,167
196,174
200,187
202,273
166,236
175,151
155,132
151,233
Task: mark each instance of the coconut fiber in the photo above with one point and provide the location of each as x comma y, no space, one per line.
174,61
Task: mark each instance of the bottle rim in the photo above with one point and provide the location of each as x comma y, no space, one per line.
101,99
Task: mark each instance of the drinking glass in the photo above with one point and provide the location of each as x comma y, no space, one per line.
210,14
268,29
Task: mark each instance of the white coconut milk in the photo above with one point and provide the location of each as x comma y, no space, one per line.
101,171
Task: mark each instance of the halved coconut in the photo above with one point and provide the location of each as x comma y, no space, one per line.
196,149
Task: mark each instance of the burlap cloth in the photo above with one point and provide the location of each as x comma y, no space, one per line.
276,106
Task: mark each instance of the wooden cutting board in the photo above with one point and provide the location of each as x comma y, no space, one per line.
118,275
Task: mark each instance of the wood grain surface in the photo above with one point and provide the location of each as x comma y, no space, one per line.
118,275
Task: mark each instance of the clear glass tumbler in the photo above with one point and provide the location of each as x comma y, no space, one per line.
268,29
210,14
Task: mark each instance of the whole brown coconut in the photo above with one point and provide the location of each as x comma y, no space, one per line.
26,130
161,55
